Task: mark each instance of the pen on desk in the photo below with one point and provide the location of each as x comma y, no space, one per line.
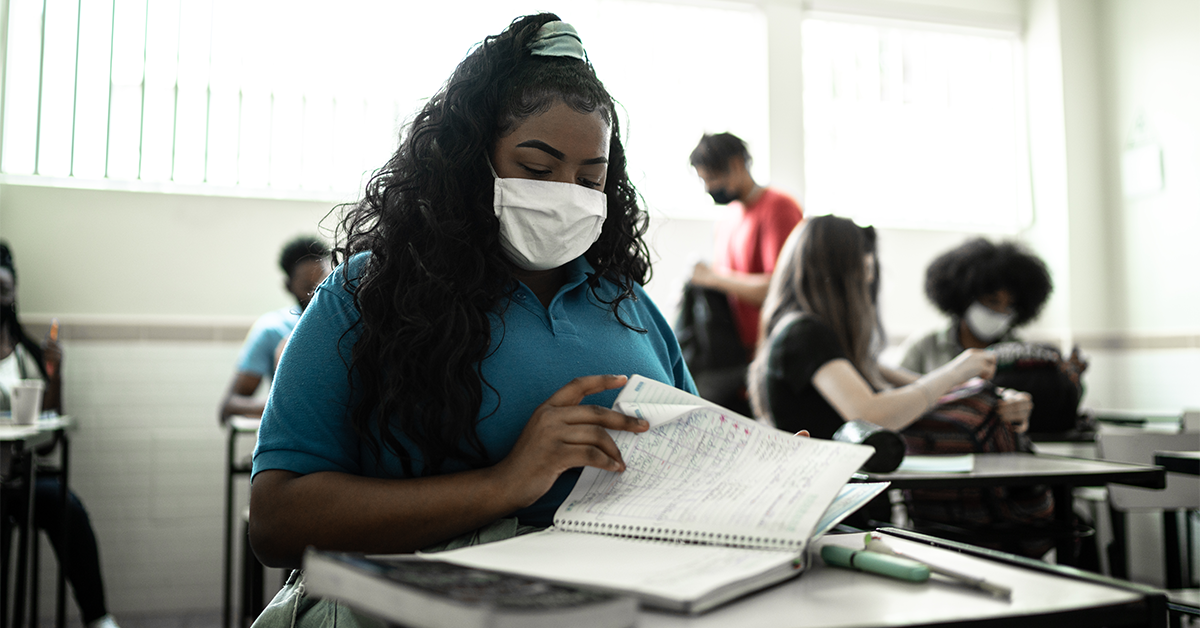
877,545
874,562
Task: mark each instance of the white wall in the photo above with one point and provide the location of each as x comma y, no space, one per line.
1153,97
148,255
1150,91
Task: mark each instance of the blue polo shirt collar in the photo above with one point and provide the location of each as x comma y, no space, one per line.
556,317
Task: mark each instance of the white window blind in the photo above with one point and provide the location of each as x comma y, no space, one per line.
306,98
912,126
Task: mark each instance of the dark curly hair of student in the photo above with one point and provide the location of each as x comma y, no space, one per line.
978,267
714,152
10,321
299,249
436,269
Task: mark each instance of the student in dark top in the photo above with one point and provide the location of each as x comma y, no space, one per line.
817,362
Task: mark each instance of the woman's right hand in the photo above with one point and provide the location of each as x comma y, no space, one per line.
975,363
703,275
563,435
52,356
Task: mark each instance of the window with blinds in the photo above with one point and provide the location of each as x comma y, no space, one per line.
305,98
908,125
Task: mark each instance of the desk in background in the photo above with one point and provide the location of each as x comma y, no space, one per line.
1152,420
237,428
1061,474
19,442
1187,462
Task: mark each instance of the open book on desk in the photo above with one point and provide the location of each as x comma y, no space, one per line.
711,506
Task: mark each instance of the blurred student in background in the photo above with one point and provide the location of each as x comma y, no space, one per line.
305,261
989,290
817,367
748,243
22,358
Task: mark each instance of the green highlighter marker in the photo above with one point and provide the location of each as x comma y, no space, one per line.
882,564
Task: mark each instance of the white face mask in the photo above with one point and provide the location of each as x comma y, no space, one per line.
545,224
987,324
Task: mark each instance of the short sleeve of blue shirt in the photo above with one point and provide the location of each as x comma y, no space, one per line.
258,351
536,350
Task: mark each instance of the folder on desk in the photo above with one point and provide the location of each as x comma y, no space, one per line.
964,463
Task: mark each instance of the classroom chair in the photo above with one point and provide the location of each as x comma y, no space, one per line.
1182,494
252,602
239,428
17,490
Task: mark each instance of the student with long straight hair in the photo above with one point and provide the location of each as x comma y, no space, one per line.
450,378
817,363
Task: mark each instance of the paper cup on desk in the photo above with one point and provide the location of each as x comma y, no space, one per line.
27,401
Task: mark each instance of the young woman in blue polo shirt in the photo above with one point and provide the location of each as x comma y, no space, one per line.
450,378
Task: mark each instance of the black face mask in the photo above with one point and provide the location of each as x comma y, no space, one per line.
722,196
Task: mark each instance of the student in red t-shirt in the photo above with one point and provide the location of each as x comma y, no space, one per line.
749,243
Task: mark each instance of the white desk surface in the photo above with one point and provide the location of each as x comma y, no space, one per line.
17,438
11,432
832,597
241,423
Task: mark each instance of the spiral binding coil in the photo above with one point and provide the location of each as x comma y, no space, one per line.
676,535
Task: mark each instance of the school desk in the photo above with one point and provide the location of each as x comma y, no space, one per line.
829,597
1060,473
18,466
1179,461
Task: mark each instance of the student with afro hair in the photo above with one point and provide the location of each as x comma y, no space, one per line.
987,290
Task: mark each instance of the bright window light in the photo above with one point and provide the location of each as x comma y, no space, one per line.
913,127
305,98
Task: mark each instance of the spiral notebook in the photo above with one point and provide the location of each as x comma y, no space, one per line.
711,505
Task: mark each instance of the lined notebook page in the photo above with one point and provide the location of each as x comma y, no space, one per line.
712,476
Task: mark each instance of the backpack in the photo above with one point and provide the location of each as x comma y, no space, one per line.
964,421
711,347
1053,382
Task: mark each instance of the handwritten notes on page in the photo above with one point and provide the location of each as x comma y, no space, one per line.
711,476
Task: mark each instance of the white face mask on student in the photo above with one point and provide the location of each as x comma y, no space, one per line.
545,224
987,324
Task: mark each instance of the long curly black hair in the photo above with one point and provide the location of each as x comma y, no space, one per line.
978,267
436,268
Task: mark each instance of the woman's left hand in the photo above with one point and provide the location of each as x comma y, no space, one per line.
1014,409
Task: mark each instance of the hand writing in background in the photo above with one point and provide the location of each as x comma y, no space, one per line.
52,351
